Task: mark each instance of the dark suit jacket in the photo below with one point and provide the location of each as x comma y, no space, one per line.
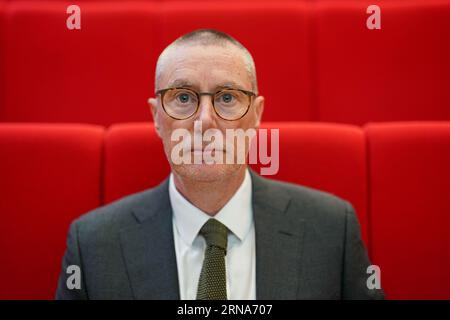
308,246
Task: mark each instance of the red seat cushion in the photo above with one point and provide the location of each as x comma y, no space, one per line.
50,174
409,208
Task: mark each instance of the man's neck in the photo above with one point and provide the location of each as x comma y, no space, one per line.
209,196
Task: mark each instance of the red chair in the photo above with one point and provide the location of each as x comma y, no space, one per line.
329,157
409,207
50,174
101,74
398,73
134,160
278,36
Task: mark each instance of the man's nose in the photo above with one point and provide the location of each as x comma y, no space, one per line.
206,113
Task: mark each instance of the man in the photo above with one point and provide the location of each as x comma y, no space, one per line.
215,230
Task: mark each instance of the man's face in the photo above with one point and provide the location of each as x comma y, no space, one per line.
204,69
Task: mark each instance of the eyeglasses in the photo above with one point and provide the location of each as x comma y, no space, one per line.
182,103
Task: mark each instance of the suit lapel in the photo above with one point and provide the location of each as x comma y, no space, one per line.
279,235
149,250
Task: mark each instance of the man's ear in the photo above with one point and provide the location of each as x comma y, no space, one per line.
259,108
153,104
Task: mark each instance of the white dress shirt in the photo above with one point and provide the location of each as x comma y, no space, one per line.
237,216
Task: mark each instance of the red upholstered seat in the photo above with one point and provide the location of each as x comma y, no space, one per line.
398,73
329,157
50,174
277,35
134,160
409,208
100,74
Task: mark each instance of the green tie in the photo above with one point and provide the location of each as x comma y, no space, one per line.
212,284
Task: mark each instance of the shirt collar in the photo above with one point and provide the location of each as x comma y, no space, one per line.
236,215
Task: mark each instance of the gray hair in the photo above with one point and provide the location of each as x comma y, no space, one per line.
210,37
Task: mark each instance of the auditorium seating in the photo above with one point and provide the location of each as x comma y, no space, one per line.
316,60
396,175
363,114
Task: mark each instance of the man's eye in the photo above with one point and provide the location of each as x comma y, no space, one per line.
226,98
184,98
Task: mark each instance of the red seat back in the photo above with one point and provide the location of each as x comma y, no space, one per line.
50,174
409,208
398,73
100,74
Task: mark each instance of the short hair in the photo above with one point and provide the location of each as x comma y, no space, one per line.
211,37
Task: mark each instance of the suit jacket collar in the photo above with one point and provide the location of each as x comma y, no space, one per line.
149,250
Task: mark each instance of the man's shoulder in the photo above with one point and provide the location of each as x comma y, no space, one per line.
305,193
325,214
118,214
310,202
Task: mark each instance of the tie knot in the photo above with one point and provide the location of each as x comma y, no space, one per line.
215,234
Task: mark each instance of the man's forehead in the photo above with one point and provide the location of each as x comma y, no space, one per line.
192,50
196,56
191,83
187,66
